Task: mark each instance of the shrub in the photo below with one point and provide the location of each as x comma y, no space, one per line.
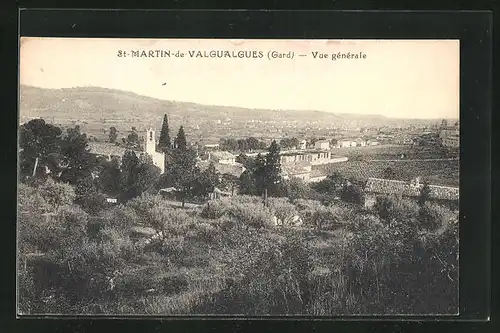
298,189
30,200
284,211
57,194
352,193
325,218
93,203
174,284
215,209
252,215
122,217
433,217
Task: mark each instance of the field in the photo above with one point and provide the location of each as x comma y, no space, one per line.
440,172
389,151
439,166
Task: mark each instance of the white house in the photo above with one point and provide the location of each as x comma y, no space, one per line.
322,144
222,157
303,144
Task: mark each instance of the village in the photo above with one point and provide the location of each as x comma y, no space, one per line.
301,161
226,187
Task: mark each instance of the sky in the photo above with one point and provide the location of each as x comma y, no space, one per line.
397,78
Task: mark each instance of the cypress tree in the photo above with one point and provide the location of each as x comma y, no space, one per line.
181,139
273,168
164,143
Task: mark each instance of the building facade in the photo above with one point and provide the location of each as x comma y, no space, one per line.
322,144
150,149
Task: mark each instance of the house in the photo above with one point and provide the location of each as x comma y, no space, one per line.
106,149
303,144
297,171
168,193
222,157
360,143
235,169
375,187
322,144
212,146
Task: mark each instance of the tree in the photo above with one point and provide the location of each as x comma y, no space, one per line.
242,145
207,181
181,172
272,170
38,141
164,142
109,177
228,144
133,139
147,176
181,142
353,194
113,134
77,160
425,194
298,189
331,184
57,194
252,143
288,143
129,167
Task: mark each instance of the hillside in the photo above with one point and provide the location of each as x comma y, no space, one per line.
98,108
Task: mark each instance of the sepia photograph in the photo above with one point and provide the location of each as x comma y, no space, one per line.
246,177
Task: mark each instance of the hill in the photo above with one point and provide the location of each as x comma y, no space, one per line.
99,108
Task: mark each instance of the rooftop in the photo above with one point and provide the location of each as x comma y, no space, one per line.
223,155
235,169
106,148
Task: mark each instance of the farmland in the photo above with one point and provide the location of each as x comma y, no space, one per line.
437,172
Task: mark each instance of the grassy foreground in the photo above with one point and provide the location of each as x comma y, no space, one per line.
229,257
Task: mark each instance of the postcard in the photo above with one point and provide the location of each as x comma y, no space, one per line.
195,177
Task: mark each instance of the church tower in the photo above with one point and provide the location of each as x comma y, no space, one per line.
150,142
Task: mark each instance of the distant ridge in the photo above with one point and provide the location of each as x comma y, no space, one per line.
96,104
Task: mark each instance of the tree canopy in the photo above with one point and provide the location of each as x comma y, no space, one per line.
164,142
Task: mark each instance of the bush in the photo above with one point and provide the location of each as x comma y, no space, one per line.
215,209
92,203
392,208
284,211
57,194
247,214
353,194
174,284
121,217
30,200
298,189
325,218
433,217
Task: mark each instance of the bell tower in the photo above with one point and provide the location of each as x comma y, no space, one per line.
150,142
